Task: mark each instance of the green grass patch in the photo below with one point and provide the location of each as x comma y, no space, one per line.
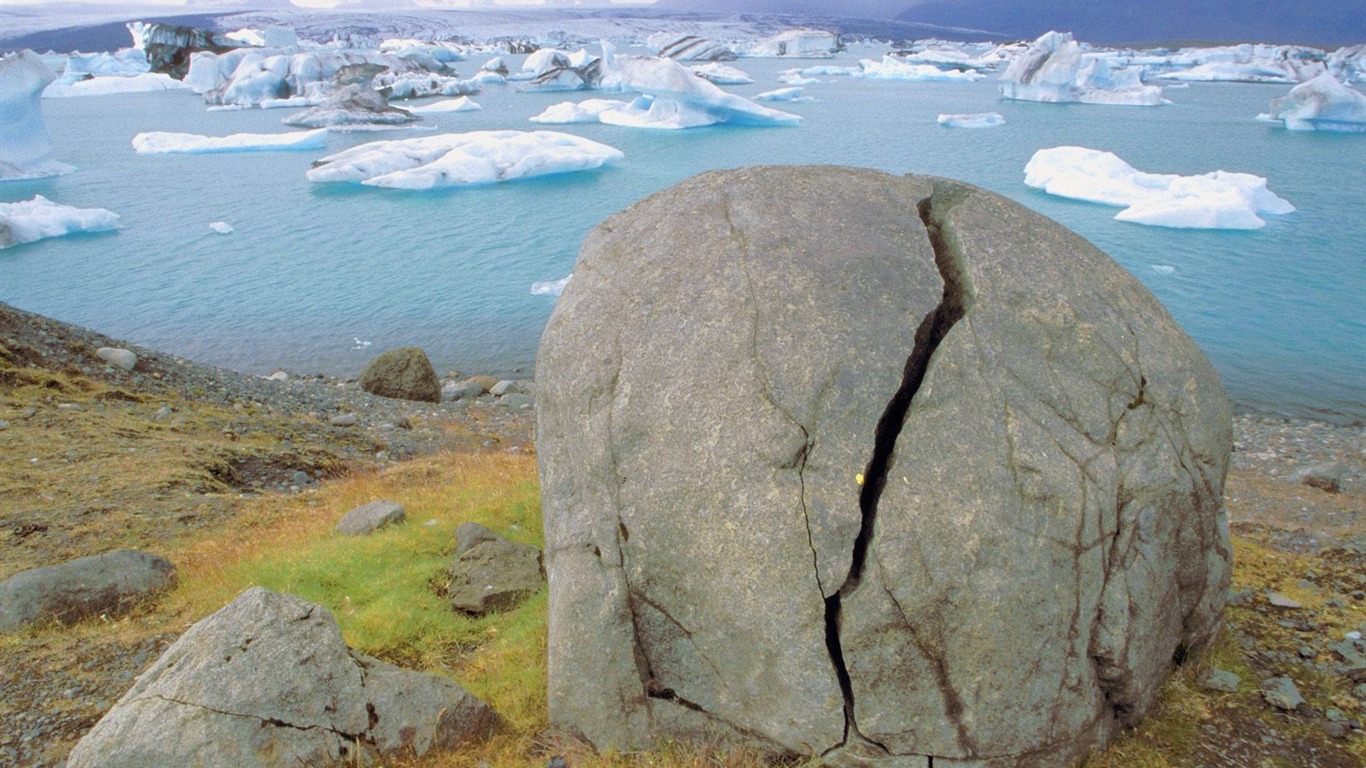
380,586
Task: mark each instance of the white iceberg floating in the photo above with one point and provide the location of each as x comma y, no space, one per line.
221,227
29,220
586,111
672,97
721,74
126,61
462,104
457,159
1246,63
1322,104
796,43
147,82
976,120
161,142
551,287
892,68
1218,200
1054,69
25,149
795,93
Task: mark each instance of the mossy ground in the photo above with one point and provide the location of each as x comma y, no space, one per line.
115,471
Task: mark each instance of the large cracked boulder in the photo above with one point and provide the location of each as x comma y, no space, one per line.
268,682
871,467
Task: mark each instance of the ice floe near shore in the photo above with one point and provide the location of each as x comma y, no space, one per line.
1321,104
1217,200
30,220
458,159
1055,69
162,142
25,149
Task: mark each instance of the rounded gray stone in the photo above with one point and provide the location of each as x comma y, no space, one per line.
826,451
118,357
370,517
109,584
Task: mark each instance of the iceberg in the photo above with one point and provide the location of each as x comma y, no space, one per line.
159,142
797,43
689,48
721,74
354,103
147,82
221,227
30,220
125,62
978,120
672,97
459,159
462,104
260,77
796,93
1218,200
1348,63
892,68
1322,104
796,77
1246,63
1054,69
586,111
25,149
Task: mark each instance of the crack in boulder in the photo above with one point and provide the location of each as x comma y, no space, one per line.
957,299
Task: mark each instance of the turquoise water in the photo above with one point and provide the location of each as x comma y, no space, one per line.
309,268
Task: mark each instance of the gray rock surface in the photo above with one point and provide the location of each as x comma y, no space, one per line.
368,518
958,493
1221,680
1325,477
404,373
490,573
118,357
460,390
111,584
268,681
1281,693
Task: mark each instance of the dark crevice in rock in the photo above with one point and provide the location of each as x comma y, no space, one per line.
354,738
934,211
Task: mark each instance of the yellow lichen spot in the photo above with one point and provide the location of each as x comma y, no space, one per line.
859,478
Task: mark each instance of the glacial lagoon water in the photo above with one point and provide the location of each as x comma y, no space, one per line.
308,268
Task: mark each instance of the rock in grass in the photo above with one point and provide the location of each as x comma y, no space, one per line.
268,682
754,554
490,573
370,517
1221,680
1281,693
109,584
118,357
1325,477
404,373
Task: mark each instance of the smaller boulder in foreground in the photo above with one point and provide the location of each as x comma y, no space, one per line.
404,374
490,573
268,681
368,518
111,584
